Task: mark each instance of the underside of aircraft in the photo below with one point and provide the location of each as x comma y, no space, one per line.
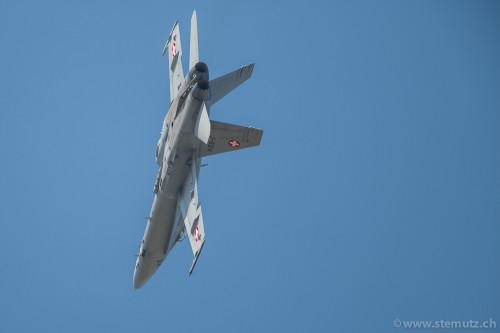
188,134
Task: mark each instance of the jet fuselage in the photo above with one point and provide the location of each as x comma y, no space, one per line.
174,150
188,134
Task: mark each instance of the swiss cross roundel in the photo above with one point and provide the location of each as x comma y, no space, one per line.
174,49
197,234
234,143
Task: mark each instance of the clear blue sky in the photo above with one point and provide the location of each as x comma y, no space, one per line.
374,196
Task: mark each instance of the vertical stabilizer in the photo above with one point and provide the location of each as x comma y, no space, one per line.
194,57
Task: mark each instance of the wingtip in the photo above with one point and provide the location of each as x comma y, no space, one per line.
165,48
195,260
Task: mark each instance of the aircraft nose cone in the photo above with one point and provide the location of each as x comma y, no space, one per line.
137,283
140,278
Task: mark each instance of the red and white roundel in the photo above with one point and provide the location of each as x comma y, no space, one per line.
197,235
174,49
234,143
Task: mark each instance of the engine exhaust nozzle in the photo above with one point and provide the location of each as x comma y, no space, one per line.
201,67
202,92
203,84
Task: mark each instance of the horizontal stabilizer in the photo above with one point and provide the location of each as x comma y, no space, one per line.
228,137
224,84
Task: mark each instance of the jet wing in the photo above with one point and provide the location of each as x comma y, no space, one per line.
228,137
191,212
174,50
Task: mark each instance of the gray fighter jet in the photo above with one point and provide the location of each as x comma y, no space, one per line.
187,135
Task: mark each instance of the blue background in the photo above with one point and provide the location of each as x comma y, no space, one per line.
374,196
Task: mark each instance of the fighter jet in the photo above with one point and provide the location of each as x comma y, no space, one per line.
187,136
